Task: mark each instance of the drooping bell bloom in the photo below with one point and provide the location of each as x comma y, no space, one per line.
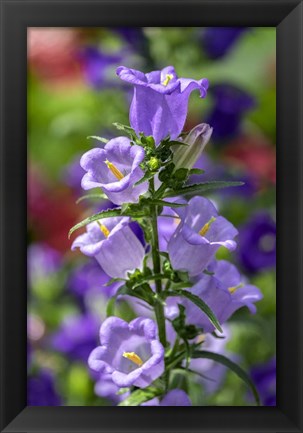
224,292
115,169
197,139
175,397
113,244
77,336
159,105
218,41
130,352
257,243
264,377
230,105
198,236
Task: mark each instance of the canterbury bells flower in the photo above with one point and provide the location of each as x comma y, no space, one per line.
113,244
159,105
198,137
130,353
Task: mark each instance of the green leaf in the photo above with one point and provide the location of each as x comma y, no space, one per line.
140,396
199,303
100,215
196,171
166,203
99,195
201,187
145,178
96,137
232,366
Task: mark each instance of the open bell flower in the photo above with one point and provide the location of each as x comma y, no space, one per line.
160,100
197,139
199,235
224,292
113,244
116,169
130,352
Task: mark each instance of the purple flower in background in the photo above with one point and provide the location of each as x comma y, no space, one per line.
42,262
99,67
113,244
115,169
198,236
264,377
159,105
130,352
90,277
224,292
257,243
218,41
77,336
175,397
198,137
41,390
230,104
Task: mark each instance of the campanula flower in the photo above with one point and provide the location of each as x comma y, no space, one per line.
115,169
264,377
159,105
130,352
218,41
113,244
197,138
199,235
175,397
224,292
257,243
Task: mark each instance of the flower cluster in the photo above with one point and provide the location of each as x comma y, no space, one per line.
182,293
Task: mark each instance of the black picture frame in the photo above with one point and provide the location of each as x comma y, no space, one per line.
16,16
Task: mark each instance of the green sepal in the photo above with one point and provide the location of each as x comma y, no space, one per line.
232,366
196,171
96,137
99,195
130,131
140,396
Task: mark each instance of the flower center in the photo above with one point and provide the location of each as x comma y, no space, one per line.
132,356
167,79
233,289
116,172
104,229
206,226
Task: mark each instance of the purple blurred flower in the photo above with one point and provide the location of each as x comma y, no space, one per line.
99,67
197,138
198,236
115,169
264,377
224,292
130,352
257,243
42,262
159,105
230,104
113,244
218,41
175,397
77,336
41,390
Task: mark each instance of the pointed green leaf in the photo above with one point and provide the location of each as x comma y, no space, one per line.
199,303
201,187
166,203
140,396
100,215
96,137
100,196
232,366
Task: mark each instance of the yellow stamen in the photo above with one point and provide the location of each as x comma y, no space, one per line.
233,289
167,79
104,229
116,172
206,226
132,356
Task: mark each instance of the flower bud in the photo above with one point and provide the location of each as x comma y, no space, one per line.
197,138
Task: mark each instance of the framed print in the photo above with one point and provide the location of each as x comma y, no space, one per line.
151,171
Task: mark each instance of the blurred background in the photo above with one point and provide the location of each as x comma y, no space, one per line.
73,93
